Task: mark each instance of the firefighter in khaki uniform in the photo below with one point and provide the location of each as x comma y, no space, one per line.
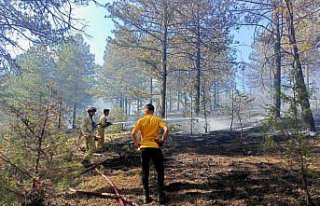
88,127
102,124
149,127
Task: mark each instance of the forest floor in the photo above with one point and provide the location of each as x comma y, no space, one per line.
218,168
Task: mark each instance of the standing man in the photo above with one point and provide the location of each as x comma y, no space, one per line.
149,127
88,127
102,124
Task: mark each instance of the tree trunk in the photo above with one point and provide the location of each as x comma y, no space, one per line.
232,107
74,116
215,96
121,101
59,112
138,107
122,106
151,90
191,115
170,100
164,61
204,99
126,107
166,113
178,101
277,51
302,93
198,69
185,102
178,92
129,107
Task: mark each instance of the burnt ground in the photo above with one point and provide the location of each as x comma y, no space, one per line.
219,168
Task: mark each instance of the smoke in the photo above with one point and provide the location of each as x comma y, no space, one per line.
214,123
198,125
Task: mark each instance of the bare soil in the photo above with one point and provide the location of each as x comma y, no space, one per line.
219,168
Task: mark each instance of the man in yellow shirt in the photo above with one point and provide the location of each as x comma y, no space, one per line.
88,129
102,124
149,126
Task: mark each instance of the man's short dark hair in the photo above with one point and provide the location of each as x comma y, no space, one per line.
150,107
106,110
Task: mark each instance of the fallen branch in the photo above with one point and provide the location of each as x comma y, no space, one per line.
104,195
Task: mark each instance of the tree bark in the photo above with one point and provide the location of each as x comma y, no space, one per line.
126,107
170,100
59,112
138,107
204,99
302,93
277,51
232,107
215,96
129,107
151,90
185,103
74,116
179,92
198,69
164,60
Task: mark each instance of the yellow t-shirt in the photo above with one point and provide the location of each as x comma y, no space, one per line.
149,127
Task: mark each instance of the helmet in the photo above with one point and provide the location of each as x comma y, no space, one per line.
91,109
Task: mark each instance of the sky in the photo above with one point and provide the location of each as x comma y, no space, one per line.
245,38
99,28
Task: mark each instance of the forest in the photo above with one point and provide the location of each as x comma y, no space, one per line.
243,131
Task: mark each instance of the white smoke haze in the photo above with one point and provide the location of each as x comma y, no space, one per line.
219,121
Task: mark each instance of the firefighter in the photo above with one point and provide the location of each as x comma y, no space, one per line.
149,146
102,124
88,128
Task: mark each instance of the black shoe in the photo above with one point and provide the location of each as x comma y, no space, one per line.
86,163
162,199
147,200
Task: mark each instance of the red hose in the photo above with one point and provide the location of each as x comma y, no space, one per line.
121,197
121,203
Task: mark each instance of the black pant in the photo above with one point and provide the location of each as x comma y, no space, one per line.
157,158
